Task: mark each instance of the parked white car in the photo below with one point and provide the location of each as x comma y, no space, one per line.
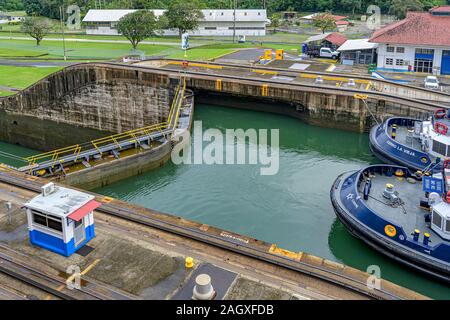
431,82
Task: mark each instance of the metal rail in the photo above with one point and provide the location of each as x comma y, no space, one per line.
321,273
16,265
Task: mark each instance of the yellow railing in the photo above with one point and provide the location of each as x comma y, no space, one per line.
76,150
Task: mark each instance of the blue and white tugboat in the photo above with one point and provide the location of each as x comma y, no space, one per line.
403,214
413,143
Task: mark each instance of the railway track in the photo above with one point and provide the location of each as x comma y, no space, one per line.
19,267
261,253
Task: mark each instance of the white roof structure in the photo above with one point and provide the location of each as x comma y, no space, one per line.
61,202
357,44
210,15
309,17
105,15
317,37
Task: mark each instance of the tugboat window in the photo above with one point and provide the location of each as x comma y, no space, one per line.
437,220
439,147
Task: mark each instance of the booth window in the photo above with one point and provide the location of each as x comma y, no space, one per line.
437,220
48,221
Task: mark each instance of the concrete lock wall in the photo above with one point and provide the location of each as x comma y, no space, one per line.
116,170
87,101
322,107
83,102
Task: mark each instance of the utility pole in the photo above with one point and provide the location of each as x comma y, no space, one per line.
61,15
234,21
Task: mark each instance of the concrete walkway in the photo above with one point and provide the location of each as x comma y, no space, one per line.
5,88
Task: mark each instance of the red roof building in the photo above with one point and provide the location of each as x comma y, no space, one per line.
331,40
420,42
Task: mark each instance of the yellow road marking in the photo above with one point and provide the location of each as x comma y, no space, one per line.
69,279
331,78
260,71
283,252
331,68
107,199
360,96
195,64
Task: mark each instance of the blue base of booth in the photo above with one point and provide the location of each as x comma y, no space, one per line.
56,244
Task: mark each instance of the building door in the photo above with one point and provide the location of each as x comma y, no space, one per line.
423,60
79,232
445,65
423,65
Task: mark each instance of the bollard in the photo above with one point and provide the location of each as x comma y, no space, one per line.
394,131
416,235
426,238
189,262
9,211
203,290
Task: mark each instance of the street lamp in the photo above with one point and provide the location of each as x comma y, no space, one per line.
61,15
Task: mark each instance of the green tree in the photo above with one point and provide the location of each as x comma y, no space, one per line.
353,5
184,16
36,27
137,26
324,21
400,7
11,5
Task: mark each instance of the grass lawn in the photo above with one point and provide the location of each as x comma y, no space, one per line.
22,77
5,93
74,50
105,51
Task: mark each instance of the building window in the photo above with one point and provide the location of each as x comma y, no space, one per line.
259,13
210,28
399,62
245,13
437,220
221,13
390,49
400,50
389,61
247,28
210,13
47,221
424,51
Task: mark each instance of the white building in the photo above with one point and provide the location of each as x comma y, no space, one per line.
419,43
358,51
217,22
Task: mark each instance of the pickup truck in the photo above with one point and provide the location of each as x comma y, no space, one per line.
322,53
328,53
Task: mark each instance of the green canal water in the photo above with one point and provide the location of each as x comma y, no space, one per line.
291,208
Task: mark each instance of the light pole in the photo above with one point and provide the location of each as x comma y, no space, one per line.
234,21
61,15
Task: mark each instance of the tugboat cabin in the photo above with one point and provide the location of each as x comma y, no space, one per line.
440,220
61,219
